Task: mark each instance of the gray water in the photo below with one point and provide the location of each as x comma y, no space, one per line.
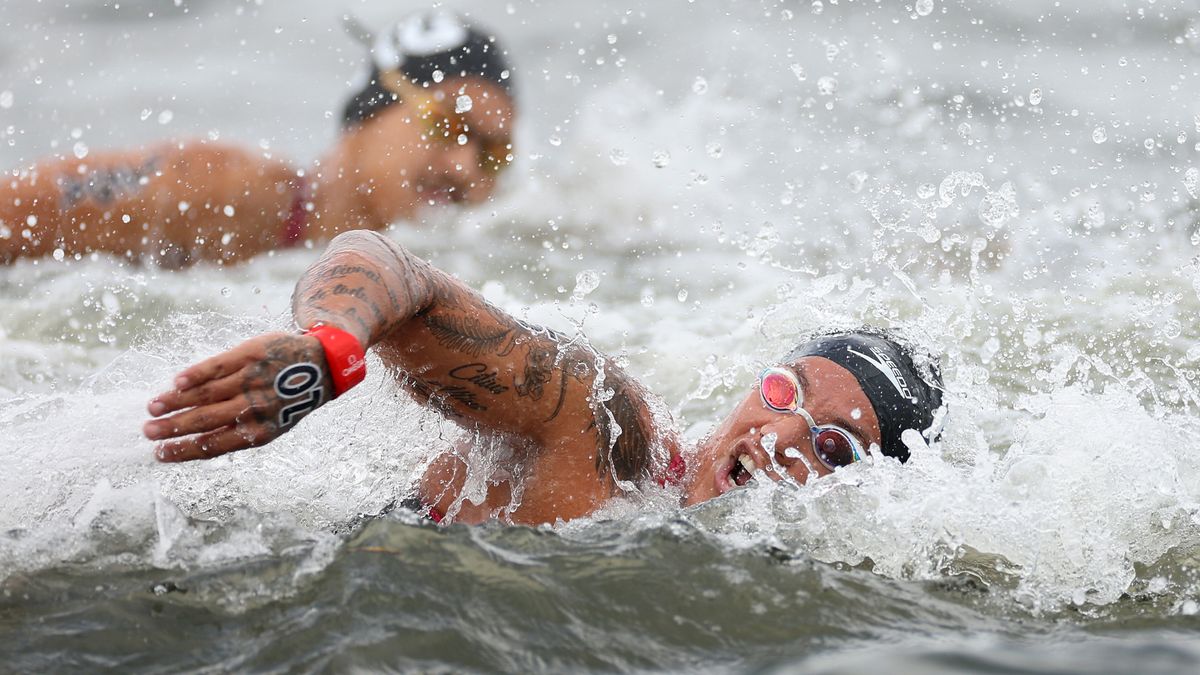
1014,185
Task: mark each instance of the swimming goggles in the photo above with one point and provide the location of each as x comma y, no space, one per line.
495,154
833,446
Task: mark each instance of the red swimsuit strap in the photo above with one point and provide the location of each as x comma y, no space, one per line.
294,226
674,473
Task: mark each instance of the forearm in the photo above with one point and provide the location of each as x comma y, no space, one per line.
364,284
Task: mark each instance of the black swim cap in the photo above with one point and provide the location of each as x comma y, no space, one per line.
420,47
903,398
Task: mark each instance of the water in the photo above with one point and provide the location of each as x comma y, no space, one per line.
844,163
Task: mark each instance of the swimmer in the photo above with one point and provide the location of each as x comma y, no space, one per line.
580,429
432,126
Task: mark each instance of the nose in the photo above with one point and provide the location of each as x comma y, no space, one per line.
460,163
790,436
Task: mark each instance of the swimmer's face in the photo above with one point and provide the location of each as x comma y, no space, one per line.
411,156
831,394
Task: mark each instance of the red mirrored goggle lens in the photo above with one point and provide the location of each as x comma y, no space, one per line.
834,448
780,390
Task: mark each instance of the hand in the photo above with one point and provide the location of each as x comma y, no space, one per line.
243,398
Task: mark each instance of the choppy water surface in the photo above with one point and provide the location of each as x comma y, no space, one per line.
699,183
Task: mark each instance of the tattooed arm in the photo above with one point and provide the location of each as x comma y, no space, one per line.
587,424
173,203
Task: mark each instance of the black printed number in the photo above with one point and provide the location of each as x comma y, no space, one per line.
302,381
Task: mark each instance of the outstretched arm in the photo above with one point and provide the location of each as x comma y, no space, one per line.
448,345
173,203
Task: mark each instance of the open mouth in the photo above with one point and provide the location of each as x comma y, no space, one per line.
743,470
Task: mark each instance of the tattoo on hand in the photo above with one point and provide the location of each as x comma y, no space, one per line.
298,381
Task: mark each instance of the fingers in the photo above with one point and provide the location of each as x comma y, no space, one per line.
215,443
221,365
200,420
210,392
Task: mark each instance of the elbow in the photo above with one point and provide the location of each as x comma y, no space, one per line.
355,239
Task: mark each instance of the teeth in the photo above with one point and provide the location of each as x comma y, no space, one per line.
747,463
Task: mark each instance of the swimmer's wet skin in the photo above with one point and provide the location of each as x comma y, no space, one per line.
406,143
830,402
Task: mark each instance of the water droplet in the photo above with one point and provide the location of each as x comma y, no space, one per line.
1148,144
463,104
1099,135
618,157
585,282
714,150
856,180
682,295
700,85
228,211
1035,96
964,131
818,7
798,71
184,206
146,113
31,220
661,158
6,99
555,140
165,117
1172,329
58,254
924,7
226,291
438,76
1191,181
831,52
80,149
768,442
462,139
856,414
612,39
926,190
827,85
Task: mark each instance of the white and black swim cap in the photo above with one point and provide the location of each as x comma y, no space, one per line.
425,47
903,396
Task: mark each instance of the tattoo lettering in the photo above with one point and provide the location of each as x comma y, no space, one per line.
357,293
104,186
302,381
477,374
338,271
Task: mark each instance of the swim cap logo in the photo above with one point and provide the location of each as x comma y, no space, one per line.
427,34
884,364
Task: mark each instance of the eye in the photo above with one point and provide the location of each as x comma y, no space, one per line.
834,448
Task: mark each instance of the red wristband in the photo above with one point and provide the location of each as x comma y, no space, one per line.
346,359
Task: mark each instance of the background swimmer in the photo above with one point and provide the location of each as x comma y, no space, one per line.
432,126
